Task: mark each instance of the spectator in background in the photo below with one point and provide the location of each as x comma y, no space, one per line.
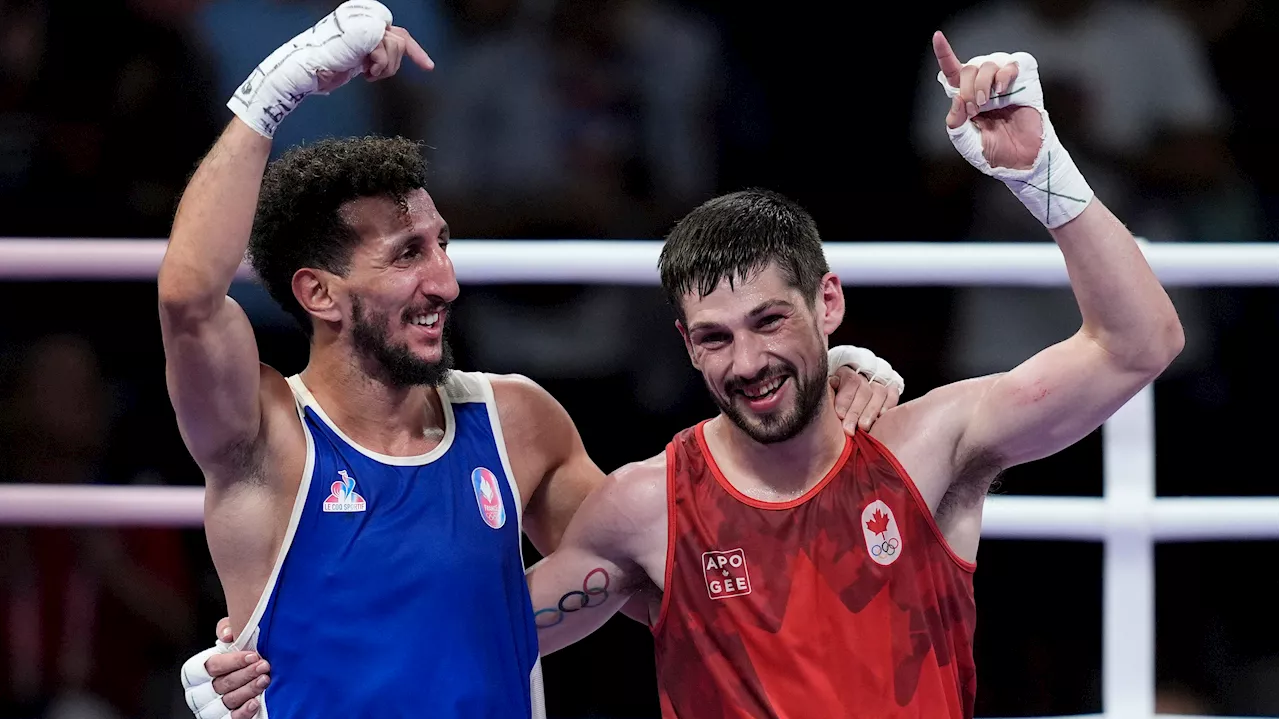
23,36
1132,86
102,147
574,119
93,619
605,131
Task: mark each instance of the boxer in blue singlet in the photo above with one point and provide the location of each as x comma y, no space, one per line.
365,513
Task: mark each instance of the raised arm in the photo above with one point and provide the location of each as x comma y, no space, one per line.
212,369
211,356
1129,335
1130,331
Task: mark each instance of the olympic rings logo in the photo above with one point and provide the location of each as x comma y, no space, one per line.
575,601
888,548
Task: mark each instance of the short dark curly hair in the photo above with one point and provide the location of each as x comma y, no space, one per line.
737,235
297,222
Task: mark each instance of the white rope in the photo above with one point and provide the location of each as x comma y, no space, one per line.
635,262
1005,517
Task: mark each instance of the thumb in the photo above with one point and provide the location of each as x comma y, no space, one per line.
956,116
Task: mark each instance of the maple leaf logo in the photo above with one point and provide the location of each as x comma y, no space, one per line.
879,522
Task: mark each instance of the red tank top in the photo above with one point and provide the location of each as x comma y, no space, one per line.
844,602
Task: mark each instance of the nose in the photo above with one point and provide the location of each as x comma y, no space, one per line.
749,358
438,277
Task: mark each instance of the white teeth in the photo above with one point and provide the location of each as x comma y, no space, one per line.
765,389
427,320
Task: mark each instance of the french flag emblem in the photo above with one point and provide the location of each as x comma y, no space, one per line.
488,498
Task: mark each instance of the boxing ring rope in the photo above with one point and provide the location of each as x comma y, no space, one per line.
1128,519
635,262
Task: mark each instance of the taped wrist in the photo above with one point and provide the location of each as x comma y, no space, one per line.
338,43
1052,189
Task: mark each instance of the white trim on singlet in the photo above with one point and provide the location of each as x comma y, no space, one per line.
247,639
450,427
535,675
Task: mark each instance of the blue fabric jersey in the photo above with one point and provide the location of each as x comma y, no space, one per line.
400,590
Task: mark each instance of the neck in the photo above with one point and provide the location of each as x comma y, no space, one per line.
380,416
781,470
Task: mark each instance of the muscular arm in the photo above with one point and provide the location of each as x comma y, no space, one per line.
606,555
1130,334
547,456
211,357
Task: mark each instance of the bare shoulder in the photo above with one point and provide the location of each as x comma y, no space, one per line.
641,486
936,412
528,412
629,509
924,435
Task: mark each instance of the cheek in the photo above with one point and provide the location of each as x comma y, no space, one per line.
713,367
797,344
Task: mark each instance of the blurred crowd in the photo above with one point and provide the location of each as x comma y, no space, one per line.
610,119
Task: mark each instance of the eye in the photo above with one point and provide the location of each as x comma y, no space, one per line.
410,252
771,322
712,340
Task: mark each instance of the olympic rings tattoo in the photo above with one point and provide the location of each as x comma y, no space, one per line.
575,601
888,548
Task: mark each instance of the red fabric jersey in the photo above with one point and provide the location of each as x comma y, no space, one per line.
846,602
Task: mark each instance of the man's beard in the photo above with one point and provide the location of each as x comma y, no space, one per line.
399,365
782,425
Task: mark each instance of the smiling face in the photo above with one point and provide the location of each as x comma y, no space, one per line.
747,273
761,348
394,298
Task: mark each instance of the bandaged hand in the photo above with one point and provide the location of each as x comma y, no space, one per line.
998,123
355,38
865,385
222,683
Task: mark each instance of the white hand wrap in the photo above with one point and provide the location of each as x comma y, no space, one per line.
864,362
197,684
1053,189
338,43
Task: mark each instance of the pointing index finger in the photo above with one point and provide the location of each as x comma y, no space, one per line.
948,63
415,51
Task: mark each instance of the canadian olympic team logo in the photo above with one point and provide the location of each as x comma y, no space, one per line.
880,529
342,495
488,497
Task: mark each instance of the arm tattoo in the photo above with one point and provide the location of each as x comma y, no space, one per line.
595,590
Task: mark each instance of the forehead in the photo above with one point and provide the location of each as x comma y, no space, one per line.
734,300
382,219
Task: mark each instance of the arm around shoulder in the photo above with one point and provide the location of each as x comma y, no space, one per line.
608,553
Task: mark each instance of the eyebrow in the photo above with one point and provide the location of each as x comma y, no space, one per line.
411,235
758,310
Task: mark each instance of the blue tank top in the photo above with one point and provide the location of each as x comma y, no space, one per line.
399,590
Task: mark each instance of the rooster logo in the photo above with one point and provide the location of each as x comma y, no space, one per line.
342,495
